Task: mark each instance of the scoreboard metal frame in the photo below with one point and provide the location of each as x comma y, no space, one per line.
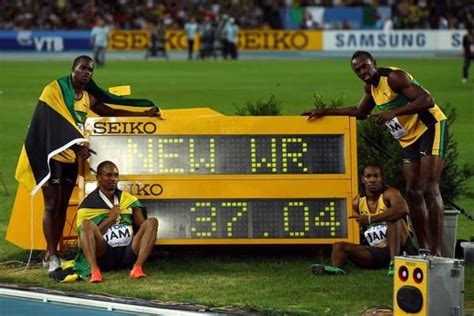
278,192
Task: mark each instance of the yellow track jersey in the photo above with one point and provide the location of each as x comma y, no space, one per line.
364,206
375,231
82,107
405,128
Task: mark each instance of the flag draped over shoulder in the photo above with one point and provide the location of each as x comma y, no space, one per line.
94,208
54,128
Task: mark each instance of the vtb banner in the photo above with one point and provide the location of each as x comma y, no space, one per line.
248,40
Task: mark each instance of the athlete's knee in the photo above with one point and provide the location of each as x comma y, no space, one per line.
339,247
50,209
414,190
431,188
394,227
88,226
152,222
336,247
54,209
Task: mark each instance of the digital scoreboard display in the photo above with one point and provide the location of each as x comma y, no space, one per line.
235,180
250,218
223,154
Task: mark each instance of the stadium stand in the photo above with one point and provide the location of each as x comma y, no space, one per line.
258,14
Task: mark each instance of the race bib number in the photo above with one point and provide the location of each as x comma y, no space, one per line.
376,234
395,128
118,235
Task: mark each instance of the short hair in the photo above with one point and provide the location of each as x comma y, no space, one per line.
79,58
103,164
372,165
362,53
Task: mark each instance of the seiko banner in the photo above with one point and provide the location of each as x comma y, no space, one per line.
248,40
44,41
393,40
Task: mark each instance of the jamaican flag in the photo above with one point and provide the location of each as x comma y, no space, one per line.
54,128
95,209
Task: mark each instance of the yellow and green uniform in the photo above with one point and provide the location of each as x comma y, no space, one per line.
408,128
376,230
81,108
95,209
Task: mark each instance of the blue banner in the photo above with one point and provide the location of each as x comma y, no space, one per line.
45,41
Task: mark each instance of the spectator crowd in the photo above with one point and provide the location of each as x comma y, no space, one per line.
256,14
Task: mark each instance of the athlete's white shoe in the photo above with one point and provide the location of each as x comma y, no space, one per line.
54,263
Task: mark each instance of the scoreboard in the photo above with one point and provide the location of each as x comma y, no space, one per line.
234,180
226,154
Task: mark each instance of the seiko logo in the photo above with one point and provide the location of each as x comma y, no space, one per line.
142,189
175,39
124,128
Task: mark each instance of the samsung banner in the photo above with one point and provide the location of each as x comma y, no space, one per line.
422,40
44,41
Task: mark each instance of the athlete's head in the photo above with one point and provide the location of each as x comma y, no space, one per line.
373,179
364,65
107,176
82,69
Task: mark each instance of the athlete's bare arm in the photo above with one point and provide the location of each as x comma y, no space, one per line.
419,99
103,110
397,207
366,104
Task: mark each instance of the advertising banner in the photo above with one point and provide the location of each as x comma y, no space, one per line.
248,40
44,41
399,40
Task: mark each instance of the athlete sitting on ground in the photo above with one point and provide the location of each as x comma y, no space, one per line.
381,212
105,220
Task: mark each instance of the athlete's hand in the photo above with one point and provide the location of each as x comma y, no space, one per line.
153,112
114,213
314,113
83,151
361,219
381,118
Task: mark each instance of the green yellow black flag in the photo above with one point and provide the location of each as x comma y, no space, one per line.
54,129
94,208
51,131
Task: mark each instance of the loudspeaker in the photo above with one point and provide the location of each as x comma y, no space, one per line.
428,286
